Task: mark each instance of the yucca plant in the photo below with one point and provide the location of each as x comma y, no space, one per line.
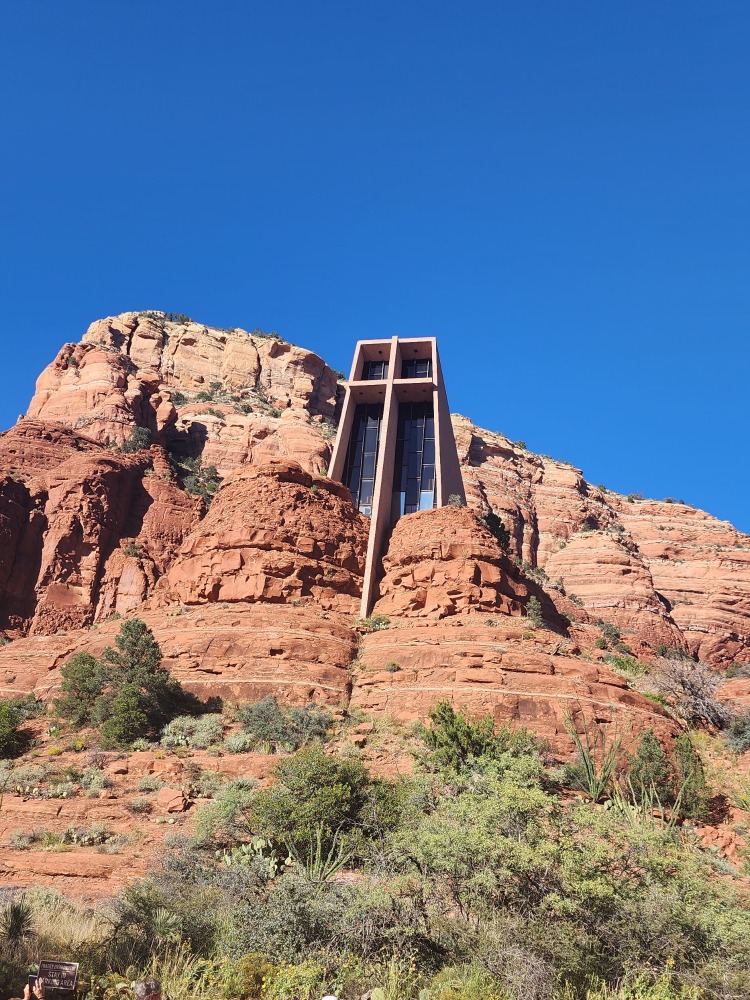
597,761
319,865
16,923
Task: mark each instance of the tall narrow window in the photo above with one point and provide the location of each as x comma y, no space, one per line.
414,473
362,455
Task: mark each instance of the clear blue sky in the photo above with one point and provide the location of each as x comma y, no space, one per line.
559,191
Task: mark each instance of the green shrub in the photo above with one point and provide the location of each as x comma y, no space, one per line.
534,612
140,438
311,791
139,805
150,783
650,769
275,728
199,480
690,778
127,691
125,718
458,744
737,735
240,743
189,731
10,740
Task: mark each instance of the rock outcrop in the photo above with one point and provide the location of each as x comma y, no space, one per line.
84,531
662,571
445,561
228,396
497,665
276,534
258,593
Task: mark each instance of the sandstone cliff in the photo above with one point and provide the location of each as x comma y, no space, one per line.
257,593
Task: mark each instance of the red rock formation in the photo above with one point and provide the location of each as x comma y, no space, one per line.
664,573
85,531
266,397
445,561
527,677
274,533
238,652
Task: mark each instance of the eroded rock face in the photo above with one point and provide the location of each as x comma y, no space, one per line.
237,652
444,562
227,396
274,533
85,531
663,572
530,678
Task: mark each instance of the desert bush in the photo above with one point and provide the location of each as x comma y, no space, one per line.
139,805
189,731
198,480
150,783
94,780
534,612
738,670
650,770
457,744
737,735
140,438
275,728
240,743
690,778
10,737
690,688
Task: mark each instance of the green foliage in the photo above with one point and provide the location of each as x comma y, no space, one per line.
189,731
691,778
124,718
197,480
610,633
274,728
179,398
127,691
83,680
458,745
312,792
497,529
456,500
598,758
375,623
737,735
534,612
627,665
10,740
650,769
140,438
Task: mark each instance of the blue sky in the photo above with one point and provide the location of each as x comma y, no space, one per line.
558,191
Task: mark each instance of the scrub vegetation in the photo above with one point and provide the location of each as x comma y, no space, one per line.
479,876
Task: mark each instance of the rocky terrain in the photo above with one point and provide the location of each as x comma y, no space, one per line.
257,593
